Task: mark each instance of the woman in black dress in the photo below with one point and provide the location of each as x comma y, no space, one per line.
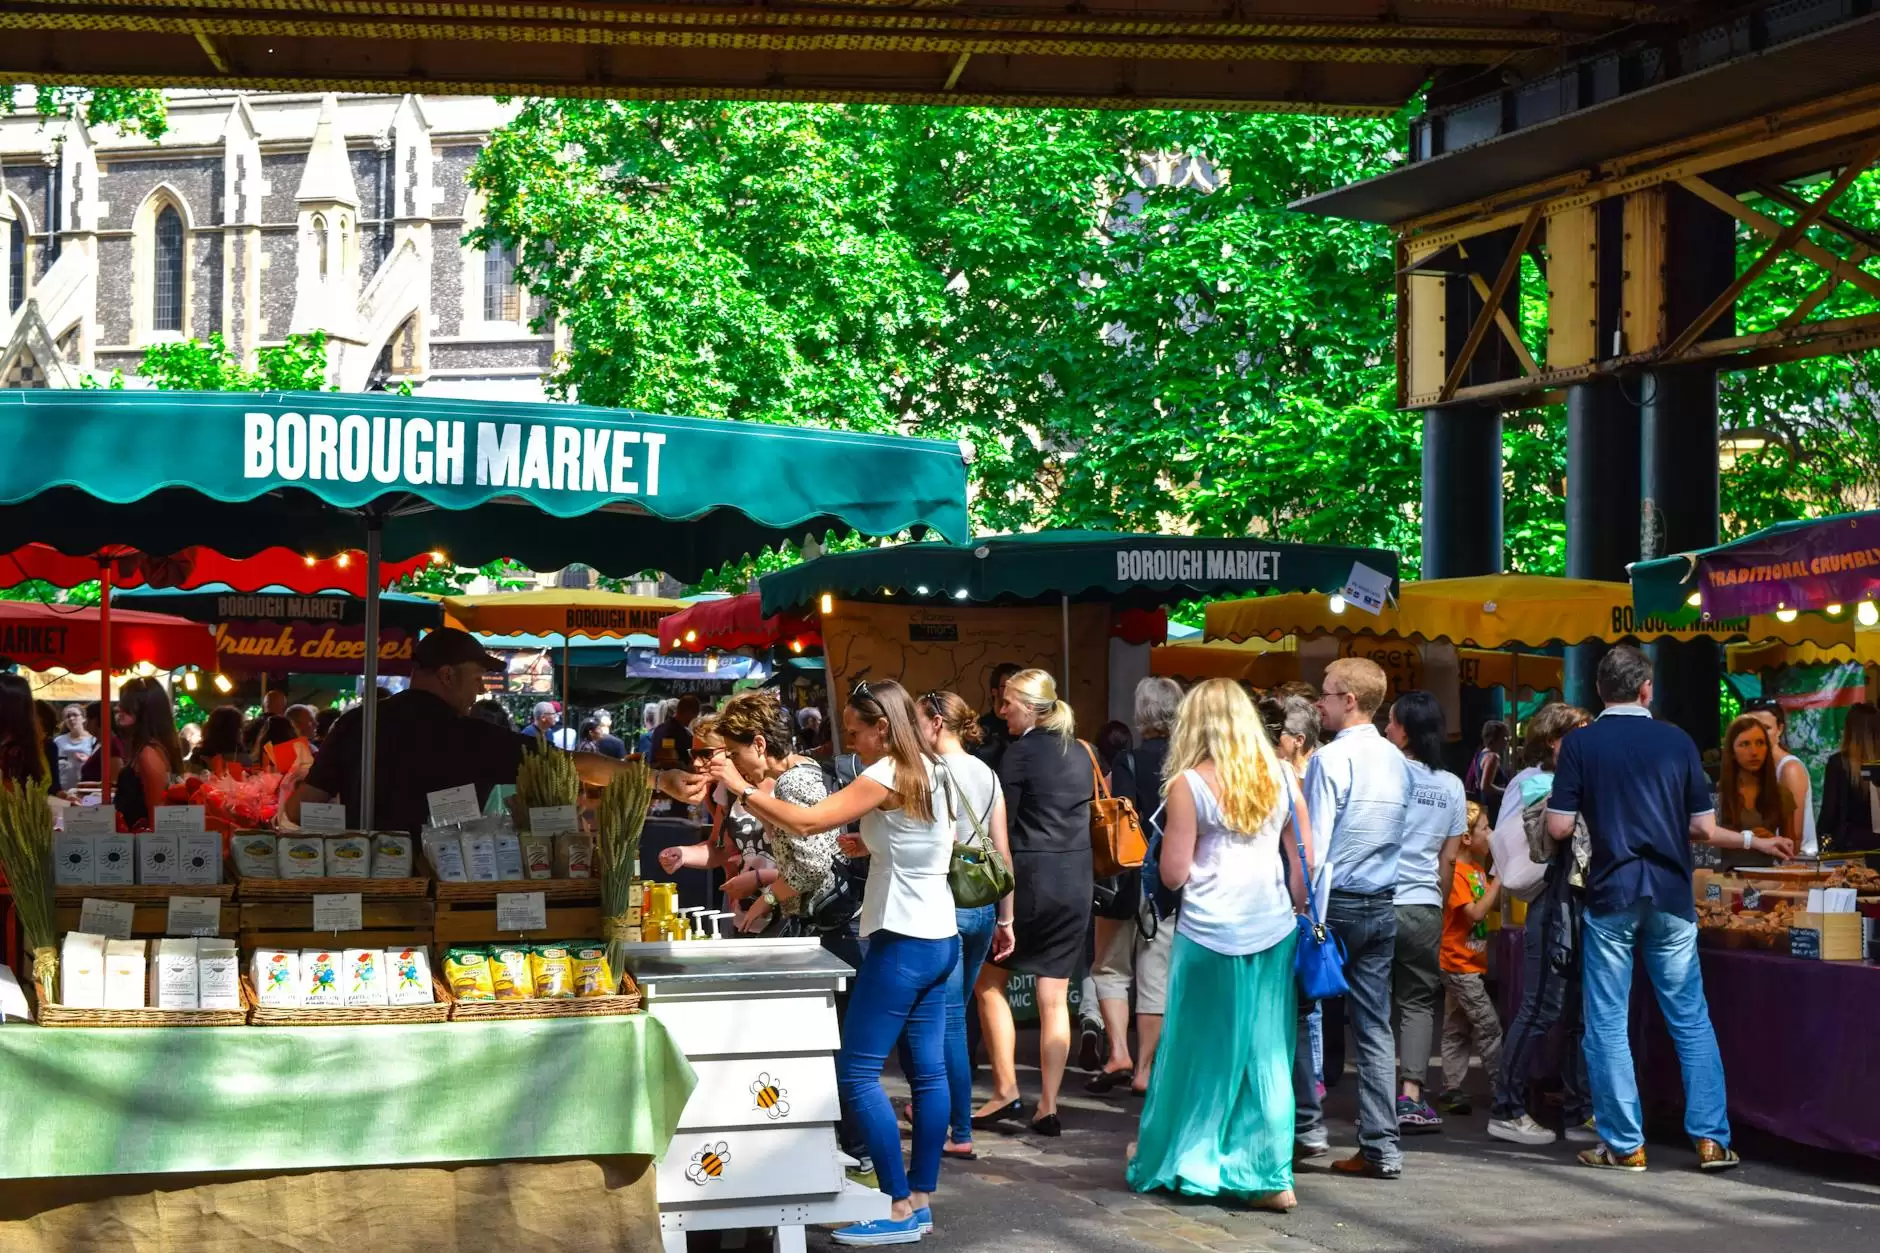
1048,782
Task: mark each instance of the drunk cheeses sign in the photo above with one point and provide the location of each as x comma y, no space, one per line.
417,451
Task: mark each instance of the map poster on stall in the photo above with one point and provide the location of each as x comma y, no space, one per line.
942,649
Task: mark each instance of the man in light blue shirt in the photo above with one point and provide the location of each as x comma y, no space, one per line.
1357,787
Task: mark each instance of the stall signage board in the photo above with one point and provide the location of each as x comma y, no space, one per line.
454,806
179,818
521,911
1805,942
322,817
90,820
336,912
111,919
551,819
1367,589
194,915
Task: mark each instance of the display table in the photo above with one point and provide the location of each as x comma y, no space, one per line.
756,1145
1796,1039
415,1137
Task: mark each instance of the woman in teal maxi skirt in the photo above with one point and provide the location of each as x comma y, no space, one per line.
1218,1121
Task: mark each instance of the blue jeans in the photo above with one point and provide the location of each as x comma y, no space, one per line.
901,986
1669,944
976,926
1367,927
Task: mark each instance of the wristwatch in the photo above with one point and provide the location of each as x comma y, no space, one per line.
749,791
1749,839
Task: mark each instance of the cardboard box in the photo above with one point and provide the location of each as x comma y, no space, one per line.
173,977
74,859
349,856
257,854
1826,937
125,974
199,858
117,860
275,972
391,855
218,974
81,971
365,977
301,857
157,854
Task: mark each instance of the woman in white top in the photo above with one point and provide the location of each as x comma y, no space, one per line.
912,940
1792,774
1219,1116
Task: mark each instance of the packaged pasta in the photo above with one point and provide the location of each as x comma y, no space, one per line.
592,976
510,973
467,971
552,967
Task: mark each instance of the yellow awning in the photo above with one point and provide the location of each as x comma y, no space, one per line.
1268,664
1499,610
1768,654
560,611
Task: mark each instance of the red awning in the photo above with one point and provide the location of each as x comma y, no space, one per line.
201,567
735,622
41,637
1140,626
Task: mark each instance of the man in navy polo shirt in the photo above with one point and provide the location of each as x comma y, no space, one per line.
1640,786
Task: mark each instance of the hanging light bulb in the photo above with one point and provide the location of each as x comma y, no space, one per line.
711,663
1695,599
1785,615
344,559
189,681
222,684
1867,613
438,557
1833,611
922,590
1337,603
796,646
828,603
145,670
691,637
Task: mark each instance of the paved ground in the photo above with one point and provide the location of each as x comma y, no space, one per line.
1460,1191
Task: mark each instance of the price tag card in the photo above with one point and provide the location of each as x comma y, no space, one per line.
551,819
1367,589
322,817
1752,900
111,919
90,820
521,911
337,912
194,915
454,806
179,818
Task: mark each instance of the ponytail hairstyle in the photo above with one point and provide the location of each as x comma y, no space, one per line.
887,702
959,718
1037,691
751,714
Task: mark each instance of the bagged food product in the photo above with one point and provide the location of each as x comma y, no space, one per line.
349,856
510,974
174,983
574,855
391,855
592,975
508,855
256,855
125,975
445,853
319,978
275,972
467,971
302,857
479,856
81,971
218,974
538,856
365,977
551,968
408,976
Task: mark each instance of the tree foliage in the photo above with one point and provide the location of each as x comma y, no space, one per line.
133,110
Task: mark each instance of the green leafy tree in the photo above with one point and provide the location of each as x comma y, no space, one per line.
134,110
194,365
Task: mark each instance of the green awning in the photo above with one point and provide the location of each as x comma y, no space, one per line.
1135,570
544,484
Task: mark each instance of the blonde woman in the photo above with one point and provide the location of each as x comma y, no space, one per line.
1219,1116
1048,784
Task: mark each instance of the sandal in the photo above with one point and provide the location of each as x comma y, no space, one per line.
1108,1080
960,1155
1005,1113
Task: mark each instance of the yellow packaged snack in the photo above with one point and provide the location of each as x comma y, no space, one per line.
553,971
467,971
592,975
510,974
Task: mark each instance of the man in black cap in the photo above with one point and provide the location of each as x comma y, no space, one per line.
427,742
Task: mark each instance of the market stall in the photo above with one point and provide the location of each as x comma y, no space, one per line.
279,630
1084,605
449,1075
1263,663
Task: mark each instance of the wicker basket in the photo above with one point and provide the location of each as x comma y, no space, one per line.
413,888
138,893
52,1014
627,1002
377,1015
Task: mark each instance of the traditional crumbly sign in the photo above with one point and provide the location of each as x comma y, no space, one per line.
350,448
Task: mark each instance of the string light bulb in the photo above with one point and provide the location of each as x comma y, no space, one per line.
828,603
1867,613
1785,615
189,681
1833,611
1337,603
222,684
1695,600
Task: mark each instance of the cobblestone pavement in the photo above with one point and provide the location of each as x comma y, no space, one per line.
1460,1191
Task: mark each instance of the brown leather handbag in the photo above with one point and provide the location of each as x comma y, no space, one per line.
1116,840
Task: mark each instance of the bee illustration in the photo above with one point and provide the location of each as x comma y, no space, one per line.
708,1163
770,1097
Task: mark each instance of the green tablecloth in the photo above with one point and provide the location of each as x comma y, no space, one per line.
155,1100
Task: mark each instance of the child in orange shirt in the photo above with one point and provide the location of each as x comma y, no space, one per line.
1470,1016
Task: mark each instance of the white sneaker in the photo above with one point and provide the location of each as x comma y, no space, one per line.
1522,1130
1583,1133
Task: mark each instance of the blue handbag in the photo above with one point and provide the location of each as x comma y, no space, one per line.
1319,960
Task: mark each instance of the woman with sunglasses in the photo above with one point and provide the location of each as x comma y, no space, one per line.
912,938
